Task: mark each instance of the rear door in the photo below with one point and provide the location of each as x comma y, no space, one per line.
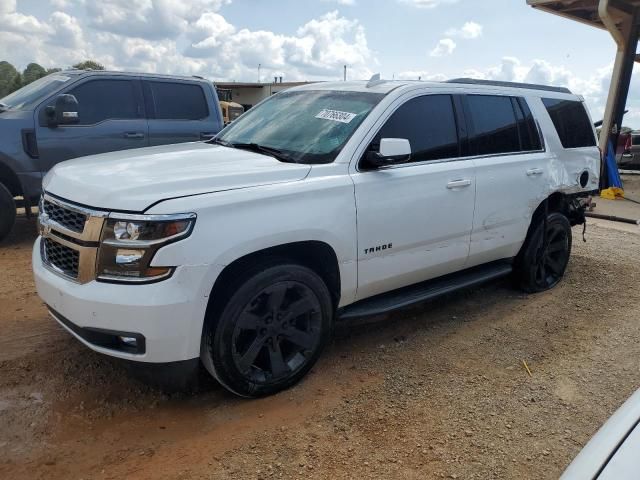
179,111
511,174
111,117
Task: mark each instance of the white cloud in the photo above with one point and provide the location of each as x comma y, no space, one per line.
349,3
445,46
421,75
13,21
147,19
208,33
427,3
469,31
186,37
67,31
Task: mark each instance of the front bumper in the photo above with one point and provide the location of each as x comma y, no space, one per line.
167,315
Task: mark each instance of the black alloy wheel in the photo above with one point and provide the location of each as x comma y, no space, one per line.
543,260
552,256
276,332
271,330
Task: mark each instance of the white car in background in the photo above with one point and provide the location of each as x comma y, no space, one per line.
614,452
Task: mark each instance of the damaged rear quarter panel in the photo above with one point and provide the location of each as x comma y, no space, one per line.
565,166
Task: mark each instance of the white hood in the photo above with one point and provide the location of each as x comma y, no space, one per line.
135,179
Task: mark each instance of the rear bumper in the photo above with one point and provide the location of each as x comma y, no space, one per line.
166,317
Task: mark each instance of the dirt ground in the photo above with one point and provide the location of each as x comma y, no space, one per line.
437,391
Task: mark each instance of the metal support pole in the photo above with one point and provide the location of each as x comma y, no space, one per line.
627,42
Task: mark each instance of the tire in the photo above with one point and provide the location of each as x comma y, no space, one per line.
270,332
541,266
7,211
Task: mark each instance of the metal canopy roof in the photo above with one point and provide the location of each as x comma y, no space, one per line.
585,11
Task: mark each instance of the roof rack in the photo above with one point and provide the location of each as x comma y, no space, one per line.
495,83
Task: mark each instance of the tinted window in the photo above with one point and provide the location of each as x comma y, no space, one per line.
494,124
571,121
428,123
100,100
178,101
527,128
33,93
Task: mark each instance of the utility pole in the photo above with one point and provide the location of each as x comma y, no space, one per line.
259,75
345,73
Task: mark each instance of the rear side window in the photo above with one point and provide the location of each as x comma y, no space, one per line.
494,125
527,128
178,101
571,121
100,100
429,124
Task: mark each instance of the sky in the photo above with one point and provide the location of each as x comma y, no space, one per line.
313,39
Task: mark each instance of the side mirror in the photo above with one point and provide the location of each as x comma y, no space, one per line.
392,151
65,111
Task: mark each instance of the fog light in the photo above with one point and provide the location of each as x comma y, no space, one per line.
129,341
127,256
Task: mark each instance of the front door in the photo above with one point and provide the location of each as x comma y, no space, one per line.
415,219
111,117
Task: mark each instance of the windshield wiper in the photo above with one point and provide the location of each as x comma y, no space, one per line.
217,141
255,147
3,107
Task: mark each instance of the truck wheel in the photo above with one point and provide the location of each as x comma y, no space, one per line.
542,263
7,211
270,332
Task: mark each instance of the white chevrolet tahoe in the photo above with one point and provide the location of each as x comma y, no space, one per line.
324,202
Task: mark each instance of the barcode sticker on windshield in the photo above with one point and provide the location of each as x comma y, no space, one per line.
336,116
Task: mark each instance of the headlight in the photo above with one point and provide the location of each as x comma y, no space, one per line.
129,243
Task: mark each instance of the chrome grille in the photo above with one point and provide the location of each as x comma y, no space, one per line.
63,259
69,219
70,236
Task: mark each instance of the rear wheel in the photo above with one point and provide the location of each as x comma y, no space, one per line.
7,211
270,332
544,257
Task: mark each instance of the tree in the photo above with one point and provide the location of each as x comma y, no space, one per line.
17,83
32,73
89,65
53,70
8,78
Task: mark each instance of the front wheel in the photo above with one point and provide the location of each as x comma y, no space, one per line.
545,255
270,332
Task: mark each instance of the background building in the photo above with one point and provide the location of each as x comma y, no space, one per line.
248,94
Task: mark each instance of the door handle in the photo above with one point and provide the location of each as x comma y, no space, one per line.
534,171
458,183
134,135
206,135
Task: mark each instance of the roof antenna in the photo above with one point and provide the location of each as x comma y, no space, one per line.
374,80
